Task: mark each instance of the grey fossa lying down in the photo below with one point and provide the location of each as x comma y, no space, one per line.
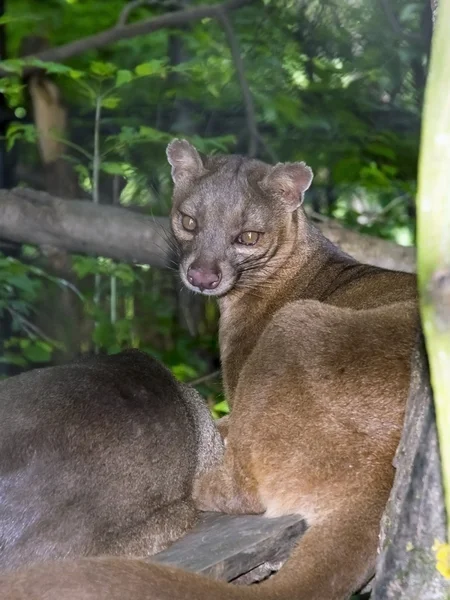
99,457
315,350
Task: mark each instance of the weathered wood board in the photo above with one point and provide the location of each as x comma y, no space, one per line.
414,518
227,547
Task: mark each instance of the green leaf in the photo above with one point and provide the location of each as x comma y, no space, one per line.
14,65
38,352
184,67
288,107
13,359
102,70
222,407
347,169
50,67
22,132
381,150
113,168
12,89
23,283
84,266
111,102
214,90
123,329
183,372
125,273
123,76
153,67
75,74
6,19
151,133
104,335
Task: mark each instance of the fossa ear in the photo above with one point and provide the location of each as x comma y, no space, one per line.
185,160
288,182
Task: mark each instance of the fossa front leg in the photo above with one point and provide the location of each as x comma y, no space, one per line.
227,489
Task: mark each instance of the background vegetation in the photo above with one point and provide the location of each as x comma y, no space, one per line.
337,84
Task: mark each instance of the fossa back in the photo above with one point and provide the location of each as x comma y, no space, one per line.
99,457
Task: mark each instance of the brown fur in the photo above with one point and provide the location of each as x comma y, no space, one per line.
316,351
99,457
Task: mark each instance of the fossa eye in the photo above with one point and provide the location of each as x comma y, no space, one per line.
248,238
189,223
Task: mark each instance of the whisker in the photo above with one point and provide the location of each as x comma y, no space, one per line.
166,235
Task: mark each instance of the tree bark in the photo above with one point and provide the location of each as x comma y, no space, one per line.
414,519
434,9
81,227
369,249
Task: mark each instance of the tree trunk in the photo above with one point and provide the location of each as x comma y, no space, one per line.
59,313
433,233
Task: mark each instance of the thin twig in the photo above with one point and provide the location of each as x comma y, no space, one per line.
374,217
96,156
268,148
247,98
30,327
394,22
113,279
96,194
204,378
317,216
391,17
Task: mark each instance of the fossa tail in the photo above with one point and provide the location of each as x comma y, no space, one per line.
334,558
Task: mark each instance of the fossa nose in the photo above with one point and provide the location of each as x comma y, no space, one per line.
204,278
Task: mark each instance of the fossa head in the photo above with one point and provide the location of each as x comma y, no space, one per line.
230,215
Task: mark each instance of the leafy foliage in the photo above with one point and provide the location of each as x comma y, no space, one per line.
20,286
336,84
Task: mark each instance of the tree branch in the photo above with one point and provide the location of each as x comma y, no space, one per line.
369,249
78,226
122,32
134,4
391,18
252,125
32,217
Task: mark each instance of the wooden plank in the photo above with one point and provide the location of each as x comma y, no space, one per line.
228,546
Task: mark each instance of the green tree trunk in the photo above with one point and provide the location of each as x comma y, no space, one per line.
414,560
433,229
